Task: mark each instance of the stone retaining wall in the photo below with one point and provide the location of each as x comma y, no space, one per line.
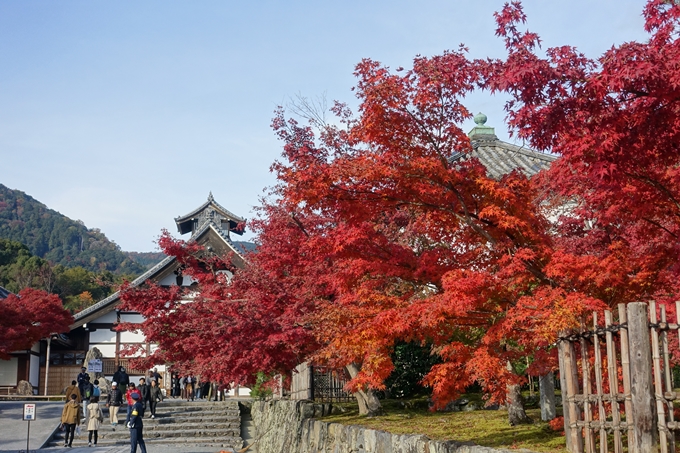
289,427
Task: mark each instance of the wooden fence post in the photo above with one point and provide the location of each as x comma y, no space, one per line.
644,419
569,389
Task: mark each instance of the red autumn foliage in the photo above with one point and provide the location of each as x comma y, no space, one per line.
29,316
614,122
557,424
384,228
213,328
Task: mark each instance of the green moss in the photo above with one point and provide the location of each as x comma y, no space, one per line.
489,428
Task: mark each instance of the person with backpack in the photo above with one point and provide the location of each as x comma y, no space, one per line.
113,401
70,418
96,390
73,390
122,378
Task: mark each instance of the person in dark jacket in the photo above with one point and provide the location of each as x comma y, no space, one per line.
81,378
113,401
86,392
155,395
136,425
122,378
176,386
143,388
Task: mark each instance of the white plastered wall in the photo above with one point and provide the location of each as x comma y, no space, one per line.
34,374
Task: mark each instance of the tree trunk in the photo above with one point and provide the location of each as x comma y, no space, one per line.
369,404
516,413
546,388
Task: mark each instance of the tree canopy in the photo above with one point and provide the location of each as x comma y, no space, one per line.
28,317
384,228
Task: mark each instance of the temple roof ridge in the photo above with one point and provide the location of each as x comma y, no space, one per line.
500,157
194,220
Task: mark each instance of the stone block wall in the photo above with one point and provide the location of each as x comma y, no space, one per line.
289,427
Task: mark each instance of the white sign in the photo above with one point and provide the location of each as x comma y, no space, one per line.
94,366
29,411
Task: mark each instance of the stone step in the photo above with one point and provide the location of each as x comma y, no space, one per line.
177,402
188,412
213,424
223,442
162,419
172,432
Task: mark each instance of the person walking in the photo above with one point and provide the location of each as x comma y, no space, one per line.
189,386
81,378
143,388
176,386
122,378
94,420
132,390
136,425
96,391
86,392
73,390
113,401
155,395
70,418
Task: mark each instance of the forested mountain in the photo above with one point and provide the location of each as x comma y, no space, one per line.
58,239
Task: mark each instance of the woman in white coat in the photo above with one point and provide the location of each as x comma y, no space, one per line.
95,417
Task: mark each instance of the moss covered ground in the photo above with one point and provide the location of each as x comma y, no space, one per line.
483,427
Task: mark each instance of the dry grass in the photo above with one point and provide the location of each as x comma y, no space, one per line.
489,428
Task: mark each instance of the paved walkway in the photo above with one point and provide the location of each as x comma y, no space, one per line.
14,430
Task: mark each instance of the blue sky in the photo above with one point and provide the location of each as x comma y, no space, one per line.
127,114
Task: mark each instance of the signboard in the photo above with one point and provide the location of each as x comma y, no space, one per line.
29,411
94,366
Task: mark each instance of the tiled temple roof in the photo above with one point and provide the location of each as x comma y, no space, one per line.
501,158
207,210
4,293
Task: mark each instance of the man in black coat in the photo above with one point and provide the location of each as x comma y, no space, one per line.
122,378
143,388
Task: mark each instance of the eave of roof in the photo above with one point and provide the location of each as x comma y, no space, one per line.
216,205
111,300
4,293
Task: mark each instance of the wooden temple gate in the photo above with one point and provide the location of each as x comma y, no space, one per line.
617,382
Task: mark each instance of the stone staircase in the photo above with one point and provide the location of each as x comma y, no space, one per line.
196,423
248,432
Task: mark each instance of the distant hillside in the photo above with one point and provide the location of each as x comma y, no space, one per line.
146,259
245,246
59,239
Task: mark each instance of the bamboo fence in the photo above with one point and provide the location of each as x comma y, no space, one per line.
617,382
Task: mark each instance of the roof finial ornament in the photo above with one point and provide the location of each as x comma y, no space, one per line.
210,196
480,119
480,131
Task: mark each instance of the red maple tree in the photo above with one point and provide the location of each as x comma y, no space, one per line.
28,317
385,228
